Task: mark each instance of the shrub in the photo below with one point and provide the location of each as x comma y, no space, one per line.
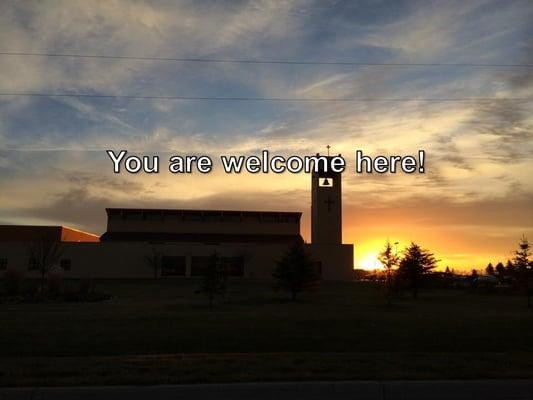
82,291
71,293
13,279
55,282
86,286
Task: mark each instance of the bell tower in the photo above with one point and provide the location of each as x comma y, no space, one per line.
326,207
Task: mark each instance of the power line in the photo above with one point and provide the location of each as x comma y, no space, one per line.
266,99
259,61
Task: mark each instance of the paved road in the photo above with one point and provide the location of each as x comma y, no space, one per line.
371,390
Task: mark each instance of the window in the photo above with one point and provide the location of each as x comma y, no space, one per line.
133,215
255,218
191,216
270,218
290,219
211,217
32,264
234,266
198,265
233,217
152,216
173,266
65,264
3,264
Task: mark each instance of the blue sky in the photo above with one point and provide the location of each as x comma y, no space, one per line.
53,169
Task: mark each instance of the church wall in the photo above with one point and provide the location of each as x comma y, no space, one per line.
125,260
336,260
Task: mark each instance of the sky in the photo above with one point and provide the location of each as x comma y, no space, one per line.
470,207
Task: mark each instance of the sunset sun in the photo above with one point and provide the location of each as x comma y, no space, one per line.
369,261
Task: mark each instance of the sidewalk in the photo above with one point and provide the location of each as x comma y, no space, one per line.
364,390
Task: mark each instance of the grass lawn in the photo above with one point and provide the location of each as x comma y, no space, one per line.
162,332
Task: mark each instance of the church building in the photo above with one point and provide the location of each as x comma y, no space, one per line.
248,242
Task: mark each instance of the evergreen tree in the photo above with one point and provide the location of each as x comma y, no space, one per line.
522,267
509,268
295,271
490,269
415,263
500,271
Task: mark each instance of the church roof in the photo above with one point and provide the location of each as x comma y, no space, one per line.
207,238
201,212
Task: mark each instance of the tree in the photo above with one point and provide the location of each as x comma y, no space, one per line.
389,260
474,276
214,279
448,276
415,263
295,272
523,268
509,268
154,260
44,255
500,271
490,269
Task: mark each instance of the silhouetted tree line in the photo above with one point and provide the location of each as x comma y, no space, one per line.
515,276
414,269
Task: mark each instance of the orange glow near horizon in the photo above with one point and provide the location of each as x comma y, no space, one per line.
366,257
366,254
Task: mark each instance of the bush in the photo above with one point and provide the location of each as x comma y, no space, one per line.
13,279
86,286
32,293
71,293
83,291
55,282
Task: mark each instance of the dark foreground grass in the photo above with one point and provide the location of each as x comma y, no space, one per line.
162,332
